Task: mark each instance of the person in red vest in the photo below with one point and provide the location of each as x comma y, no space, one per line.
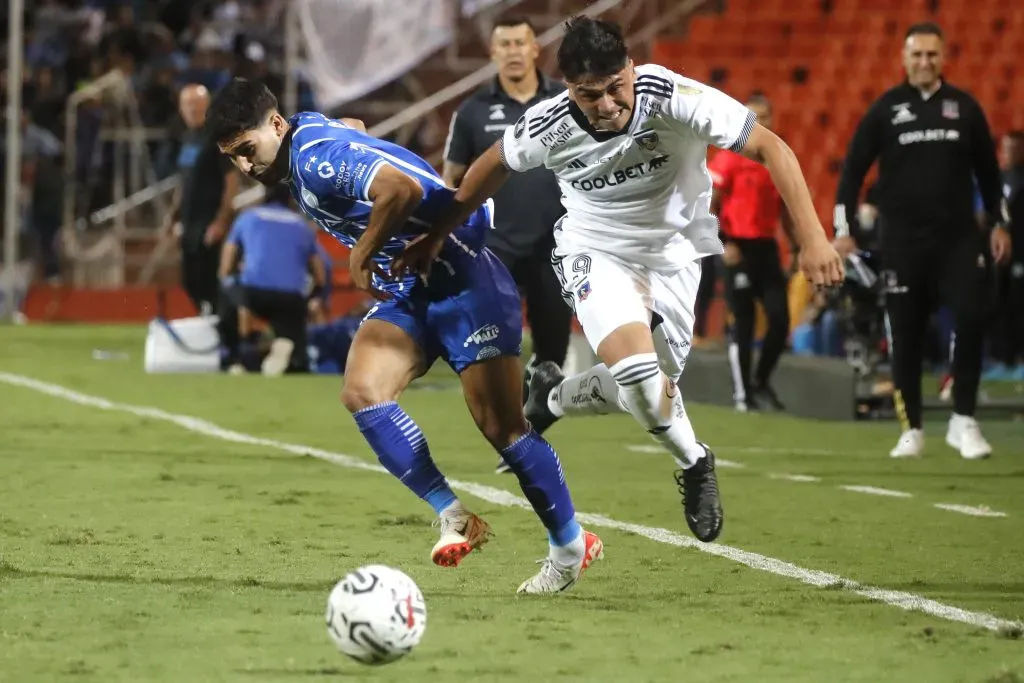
750,210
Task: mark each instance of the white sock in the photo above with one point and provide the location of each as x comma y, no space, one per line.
682,436
568,555
593,392
455,509
655,403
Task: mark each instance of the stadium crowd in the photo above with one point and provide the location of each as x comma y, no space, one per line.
163,46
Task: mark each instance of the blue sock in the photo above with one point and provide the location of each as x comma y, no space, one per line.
402,449
540,475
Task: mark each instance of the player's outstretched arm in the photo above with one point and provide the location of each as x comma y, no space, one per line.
819,260
484,177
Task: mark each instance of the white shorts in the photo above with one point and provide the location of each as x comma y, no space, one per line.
607,293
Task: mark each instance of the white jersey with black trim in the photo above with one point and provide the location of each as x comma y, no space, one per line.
643,193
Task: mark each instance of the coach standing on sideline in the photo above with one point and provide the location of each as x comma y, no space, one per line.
929,138
750,211
529,204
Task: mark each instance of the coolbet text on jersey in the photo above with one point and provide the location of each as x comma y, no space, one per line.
468,309
642,193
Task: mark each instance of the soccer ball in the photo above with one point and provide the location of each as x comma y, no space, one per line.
376,615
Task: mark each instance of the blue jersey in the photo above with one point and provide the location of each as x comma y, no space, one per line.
277,245
332,168
468,310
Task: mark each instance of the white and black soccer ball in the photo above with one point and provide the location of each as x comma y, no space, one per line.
376,614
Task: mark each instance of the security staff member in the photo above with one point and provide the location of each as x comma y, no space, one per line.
203,207
528,204
929,137
750,210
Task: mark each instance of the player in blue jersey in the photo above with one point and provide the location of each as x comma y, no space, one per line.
375,197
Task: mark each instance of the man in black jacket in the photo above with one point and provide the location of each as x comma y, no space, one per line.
931,139
527,207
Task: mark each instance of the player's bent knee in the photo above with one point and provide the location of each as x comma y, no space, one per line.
624,342
357,395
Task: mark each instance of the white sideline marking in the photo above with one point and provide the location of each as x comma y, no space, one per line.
728,464
906,601
779,450
648,448
793,477
645,448
871,490
968,510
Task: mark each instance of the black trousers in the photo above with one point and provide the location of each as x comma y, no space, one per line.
199,264
1008,326
285,312
758,277
549,317
709,267
917,279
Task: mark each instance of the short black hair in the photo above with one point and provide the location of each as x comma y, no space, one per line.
514,20
591,47
242,105
759,97
925,28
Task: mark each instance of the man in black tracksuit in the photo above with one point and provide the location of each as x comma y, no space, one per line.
931,139
527,207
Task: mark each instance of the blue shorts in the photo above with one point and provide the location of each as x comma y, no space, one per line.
464,317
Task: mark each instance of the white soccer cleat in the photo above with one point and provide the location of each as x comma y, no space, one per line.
279,357
461,533
555,578
910,445
964,435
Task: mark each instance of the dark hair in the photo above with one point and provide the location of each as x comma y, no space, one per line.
758,97
1016,135
591,47
242,105
514,20
925,28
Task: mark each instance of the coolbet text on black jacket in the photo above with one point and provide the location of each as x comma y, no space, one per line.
930,148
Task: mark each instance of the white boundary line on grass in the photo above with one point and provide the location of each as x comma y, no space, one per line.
894,598
981,511
875,491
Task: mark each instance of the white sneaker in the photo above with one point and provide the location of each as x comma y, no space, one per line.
279,357
910,445
555,578
964,435
461,533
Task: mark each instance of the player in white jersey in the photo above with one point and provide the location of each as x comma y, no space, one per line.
628,145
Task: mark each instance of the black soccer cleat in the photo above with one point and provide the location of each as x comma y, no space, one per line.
764,395
546,376
702,506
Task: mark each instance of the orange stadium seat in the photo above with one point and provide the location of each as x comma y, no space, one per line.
823,68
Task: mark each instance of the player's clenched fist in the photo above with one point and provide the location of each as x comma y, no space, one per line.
821,263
